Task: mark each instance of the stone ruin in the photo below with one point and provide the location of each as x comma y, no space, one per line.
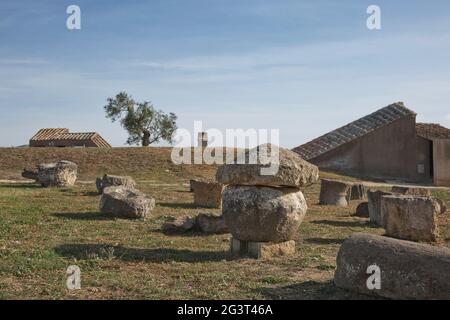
205,222
335,192
111,180
207,194
124,202
407,208
374,205
410,218
340,193
408,270
60,174
264,212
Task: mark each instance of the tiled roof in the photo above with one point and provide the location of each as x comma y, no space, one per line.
49,133
353,130
432,131
54,134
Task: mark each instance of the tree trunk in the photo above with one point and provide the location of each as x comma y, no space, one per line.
146,138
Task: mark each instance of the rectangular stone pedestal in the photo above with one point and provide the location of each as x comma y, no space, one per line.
262,250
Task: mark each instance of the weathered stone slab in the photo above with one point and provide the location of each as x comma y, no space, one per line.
411,191
207,194
334,192
291,170
410,218
374,197
179,224
263,214
362,210
109,180
210,223
409,270
123,202
358,191
262,250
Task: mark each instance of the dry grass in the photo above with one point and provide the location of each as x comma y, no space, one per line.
43,231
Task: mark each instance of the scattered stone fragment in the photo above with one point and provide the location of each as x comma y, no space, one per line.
358,191
124,202
334,192
408,270
211,223
442,205
289,169
207,194
179,225
111,180
362,210
262,250
374,197
410,218
263,214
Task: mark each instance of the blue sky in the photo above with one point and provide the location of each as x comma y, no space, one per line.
304,67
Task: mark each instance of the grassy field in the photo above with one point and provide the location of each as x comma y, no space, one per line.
43,231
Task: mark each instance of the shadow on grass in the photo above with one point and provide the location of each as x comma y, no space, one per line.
102,251
82,216
90,194
177,205
336,223
310,290
21,186
324,241
195,232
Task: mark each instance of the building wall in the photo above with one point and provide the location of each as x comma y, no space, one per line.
387,153
441,157
424,159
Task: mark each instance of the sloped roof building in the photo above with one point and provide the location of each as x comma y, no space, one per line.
61,137
386,144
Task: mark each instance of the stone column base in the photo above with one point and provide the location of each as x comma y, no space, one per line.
262,250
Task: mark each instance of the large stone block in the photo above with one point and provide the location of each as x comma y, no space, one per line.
207,194
408,270
262,250
289,169
263,214
334,192
374,197
109,180
123,202
410,218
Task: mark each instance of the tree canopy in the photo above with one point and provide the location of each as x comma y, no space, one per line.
145,125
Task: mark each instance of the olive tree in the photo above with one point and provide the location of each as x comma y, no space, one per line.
145,125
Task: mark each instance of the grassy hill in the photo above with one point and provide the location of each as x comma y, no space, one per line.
44,230
141,163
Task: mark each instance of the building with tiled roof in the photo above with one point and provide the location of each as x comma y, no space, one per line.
61,137
432,131
386,144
